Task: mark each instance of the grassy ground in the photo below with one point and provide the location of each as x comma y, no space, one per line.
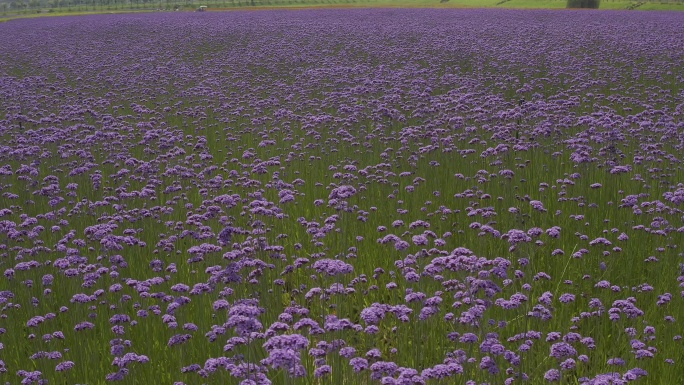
670,5
65,13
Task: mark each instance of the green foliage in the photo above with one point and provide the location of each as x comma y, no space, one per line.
15,9
592,4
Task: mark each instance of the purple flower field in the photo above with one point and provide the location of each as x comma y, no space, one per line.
342,197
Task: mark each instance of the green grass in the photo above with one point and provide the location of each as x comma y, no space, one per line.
63,13
214,5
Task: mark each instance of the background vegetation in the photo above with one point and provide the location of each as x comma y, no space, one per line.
56,7
593,4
